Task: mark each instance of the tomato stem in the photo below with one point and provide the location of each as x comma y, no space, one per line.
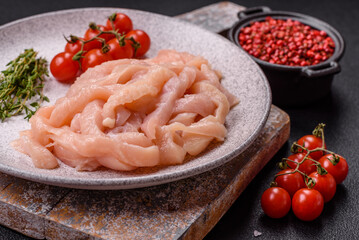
93,26
135,45
105,48
309,182
273,184
319,130
112,18
296,145
321,170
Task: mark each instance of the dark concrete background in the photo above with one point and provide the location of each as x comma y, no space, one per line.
339,111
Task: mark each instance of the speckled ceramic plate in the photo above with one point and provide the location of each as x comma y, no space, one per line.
242,77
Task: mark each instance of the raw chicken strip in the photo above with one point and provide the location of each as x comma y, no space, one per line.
132,113
41,156
195,103
171,91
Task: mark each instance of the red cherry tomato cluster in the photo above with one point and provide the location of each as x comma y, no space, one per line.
308,180
100,43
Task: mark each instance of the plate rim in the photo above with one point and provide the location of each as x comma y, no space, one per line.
114,183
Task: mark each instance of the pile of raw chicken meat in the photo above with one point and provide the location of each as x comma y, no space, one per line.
131,113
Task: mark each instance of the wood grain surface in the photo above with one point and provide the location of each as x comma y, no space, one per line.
185,209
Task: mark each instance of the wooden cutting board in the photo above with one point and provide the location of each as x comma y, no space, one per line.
186,209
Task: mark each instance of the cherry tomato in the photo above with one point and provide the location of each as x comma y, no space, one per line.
118,52
63,68
291,182
122,23
307,166
93,58
143,39
325,184
339,171
75,47
307,204
91,33
275,202
311,142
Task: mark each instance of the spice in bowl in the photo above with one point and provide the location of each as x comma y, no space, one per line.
296,52
286,42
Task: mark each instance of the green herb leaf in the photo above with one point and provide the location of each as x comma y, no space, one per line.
20,82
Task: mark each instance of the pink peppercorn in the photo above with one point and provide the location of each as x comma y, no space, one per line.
287,42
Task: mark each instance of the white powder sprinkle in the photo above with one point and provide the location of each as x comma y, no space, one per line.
257,233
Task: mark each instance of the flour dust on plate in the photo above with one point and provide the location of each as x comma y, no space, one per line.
241,76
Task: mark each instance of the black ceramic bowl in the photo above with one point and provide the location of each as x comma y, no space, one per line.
294,85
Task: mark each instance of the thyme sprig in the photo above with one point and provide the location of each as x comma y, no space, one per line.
20,82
